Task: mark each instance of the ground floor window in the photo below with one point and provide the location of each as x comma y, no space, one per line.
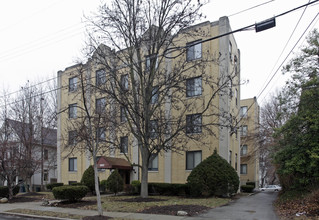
193,158
73,164
153,164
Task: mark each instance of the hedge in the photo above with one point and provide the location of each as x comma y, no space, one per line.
169,189
251,183
247,188
50,186
4,191
70,193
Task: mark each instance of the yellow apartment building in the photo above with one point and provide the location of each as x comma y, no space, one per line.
199,94
249,156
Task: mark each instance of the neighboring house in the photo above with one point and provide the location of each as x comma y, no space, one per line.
168,166
249,152
19,136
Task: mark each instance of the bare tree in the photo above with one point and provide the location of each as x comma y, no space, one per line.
9,158
147,71
274,114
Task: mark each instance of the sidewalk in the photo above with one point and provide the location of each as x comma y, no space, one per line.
38,206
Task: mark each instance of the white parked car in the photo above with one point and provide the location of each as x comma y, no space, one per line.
273,188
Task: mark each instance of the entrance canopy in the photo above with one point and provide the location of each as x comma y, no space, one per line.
113,163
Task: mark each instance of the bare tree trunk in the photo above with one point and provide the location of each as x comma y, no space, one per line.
97,190
144,179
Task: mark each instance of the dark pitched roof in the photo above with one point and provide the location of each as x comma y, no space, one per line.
22,130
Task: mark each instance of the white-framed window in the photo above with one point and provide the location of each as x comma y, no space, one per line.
73,84
230,48
243,130
194,86
45,154
153,163
123,113
193,158
101,135
100,77
72,137
151,61
243,111
73,164
236,161
243,150
100,105
193,123
243,168
45,175
72,110
124,145
124,82
194,50
153,129
154,98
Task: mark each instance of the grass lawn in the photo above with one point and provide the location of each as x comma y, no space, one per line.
127,203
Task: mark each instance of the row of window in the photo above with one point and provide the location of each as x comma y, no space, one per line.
193,158
193,126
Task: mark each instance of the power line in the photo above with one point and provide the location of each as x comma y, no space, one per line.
209,39
250,8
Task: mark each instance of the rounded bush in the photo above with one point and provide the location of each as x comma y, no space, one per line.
115,182
103,185
213,176
247,188
50,186
251,183
136,186
70,193
88,178
4,191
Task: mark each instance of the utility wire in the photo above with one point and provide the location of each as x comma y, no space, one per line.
250,8
209,39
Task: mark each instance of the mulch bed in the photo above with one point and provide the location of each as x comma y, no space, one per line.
140,199
96,217
78,204
27,197
192,210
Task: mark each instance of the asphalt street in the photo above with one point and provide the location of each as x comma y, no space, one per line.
255,207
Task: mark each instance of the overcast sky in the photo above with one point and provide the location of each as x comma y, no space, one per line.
39,38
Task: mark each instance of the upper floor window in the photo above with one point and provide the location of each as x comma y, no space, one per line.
194,86
123,114
72,110
153,129
194,123
153,163
100,133
151,61
194,50
243,150
124,144
73,164
124,82
193,158
243,111
230,157
243,168
154,98
72,137
45,154
100,105
243,130
230,50
73,84
100,77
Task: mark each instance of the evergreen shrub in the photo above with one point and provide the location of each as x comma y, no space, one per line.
88,178
115,182
213,176
70,193
50,186
247,188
